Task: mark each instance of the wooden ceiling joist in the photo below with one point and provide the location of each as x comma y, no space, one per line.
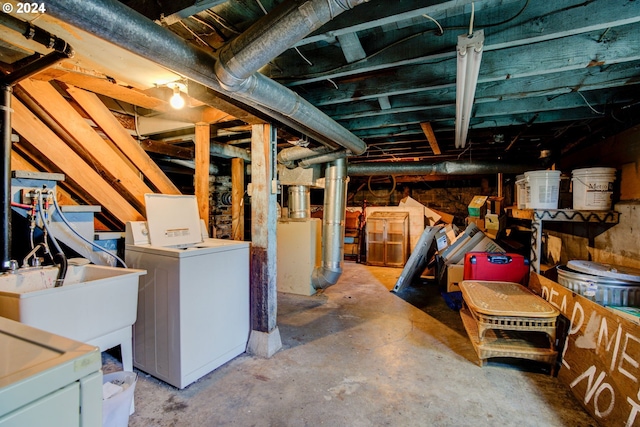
431,137
197,115
167,149
26,124
120,136
84,135
105,87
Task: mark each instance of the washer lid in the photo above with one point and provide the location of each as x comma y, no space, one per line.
620,272
173,220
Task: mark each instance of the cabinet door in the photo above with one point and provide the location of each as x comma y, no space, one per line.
60,408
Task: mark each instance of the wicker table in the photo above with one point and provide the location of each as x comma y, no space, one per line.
516,318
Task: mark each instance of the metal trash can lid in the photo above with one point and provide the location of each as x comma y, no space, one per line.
620,272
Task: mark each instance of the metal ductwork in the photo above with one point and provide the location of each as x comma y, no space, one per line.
61,50
289,156
442,168
335,202
323,158
235,75
299,202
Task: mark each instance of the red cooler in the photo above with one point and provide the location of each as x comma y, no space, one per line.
496,266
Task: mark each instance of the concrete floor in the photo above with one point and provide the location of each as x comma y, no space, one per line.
358,355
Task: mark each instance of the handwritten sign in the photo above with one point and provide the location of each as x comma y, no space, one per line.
601,355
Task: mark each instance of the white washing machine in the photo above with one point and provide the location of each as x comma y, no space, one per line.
193,304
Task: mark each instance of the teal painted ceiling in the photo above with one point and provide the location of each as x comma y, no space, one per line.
555,77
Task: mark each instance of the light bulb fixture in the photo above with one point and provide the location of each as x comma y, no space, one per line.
176,101
469,53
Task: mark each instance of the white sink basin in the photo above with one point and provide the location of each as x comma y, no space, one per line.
95,304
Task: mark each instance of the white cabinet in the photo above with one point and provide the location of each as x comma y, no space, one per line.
47,380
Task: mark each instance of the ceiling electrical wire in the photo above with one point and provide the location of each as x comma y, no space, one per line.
302,56
220,20
436,22
193,33
262,7
397,42
589,105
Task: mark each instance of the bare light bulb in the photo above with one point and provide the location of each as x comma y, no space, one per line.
176,101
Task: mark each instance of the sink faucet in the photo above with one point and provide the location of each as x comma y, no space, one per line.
32,253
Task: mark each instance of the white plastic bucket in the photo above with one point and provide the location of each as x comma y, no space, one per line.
543,189
593,188
521,192
116,408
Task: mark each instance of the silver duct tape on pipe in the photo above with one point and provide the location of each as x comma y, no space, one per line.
120,25
299,201
335,201
443,168
278,31
324,158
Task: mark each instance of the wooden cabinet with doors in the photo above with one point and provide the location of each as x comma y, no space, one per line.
388,238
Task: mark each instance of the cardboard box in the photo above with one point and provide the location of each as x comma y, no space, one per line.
494,221
480,223
455,274
486,245
478,206
445,236
432,217
495,205
444,217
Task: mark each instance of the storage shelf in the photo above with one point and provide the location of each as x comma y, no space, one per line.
538,216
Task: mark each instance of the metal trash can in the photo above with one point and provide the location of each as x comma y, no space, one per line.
118,389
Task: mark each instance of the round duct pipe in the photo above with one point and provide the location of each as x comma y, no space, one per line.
442,168
299,201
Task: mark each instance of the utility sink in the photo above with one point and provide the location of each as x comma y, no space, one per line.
96,304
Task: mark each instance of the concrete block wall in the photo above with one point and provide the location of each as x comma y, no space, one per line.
452,199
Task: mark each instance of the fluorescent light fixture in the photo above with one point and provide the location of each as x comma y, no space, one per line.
176,101
469,55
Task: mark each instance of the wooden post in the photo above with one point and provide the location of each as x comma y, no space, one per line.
201,179
237,199
265,337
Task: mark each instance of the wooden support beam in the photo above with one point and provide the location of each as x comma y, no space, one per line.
431,137
106,88
263,248
237,199
159,147
195,115
119,135
87,138
44,140
201,179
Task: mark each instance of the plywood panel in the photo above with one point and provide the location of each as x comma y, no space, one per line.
601,355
